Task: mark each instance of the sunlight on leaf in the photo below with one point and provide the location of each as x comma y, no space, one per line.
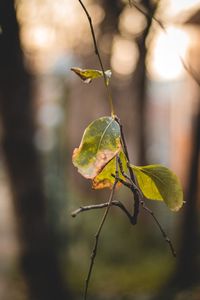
105,179
159,183
100,143
87,75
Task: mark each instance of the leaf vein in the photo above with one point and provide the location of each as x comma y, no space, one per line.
102,136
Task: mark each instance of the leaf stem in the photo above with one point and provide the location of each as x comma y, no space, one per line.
96,50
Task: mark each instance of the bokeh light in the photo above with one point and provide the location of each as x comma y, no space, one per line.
175,7
124,56
164,61
131,22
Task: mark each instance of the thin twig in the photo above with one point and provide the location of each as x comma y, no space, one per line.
122,170
146,14
187,68
131,185
133,189
89,207
101,205
126,176
167,239
132,218
138,197
190,71
125,149
99,57
132,176
97,235
125,183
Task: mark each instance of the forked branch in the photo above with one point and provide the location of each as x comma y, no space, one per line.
132,176
100,206
136,191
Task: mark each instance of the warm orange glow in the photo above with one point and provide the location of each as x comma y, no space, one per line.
164,61
124,56
50,28
177,6
47,29
131,21
38,37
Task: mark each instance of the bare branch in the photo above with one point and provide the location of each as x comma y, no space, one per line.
127,177
93,37
102,205
89,207
97,235
132,176
122,181
167,239
187,68
122,170
133,218
146,14
99,56
190,71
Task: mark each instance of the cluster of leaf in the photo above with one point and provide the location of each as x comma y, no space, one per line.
101,143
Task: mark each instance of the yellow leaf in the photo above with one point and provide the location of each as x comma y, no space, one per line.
87,75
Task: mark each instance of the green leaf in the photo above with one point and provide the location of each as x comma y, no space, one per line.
100,143
105,179
159,183
87,75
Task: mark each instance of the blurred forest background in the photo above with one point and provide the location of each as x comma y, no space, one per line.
44,109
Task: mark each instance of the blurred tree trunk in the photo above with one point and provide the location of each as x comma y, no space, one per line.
38,258
140,80
188,268
109,26
113,10
187,272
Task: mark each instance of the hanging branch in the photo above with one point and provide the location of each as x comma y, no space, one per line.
128,180
99,57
